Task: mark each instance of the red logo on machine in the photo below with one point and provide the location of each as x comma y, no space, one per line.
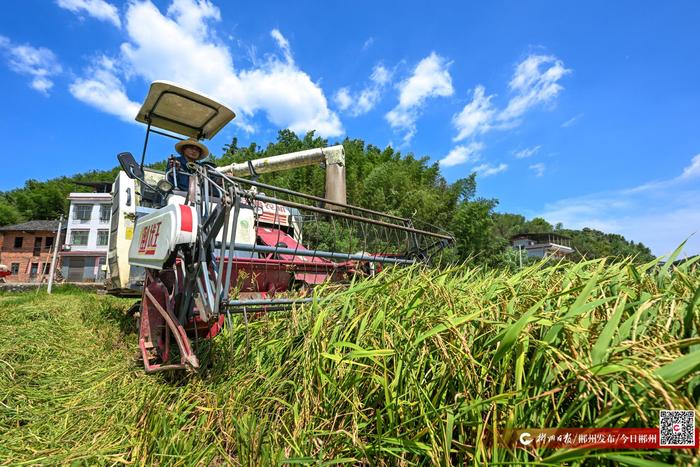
271,213
149,239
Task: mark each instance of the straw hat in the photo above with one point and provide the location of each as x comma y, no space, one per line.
180,146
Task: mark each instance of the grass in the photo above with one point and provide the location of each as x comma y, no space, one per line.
412,367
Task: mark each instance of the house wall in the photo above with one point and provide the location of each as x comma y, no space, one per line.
81,263
82,268
536,252
26,255
93,225
522,242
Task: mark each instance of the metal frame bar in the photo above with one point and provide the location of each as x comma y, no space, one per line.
162,133
292,204
145,143
257,309
321,254
312,197
269,301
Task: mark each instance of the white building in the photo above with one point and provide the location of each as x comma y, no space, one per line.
87,237
542,245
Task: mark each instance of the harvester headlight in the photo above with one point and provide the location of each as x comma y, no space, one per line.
165,186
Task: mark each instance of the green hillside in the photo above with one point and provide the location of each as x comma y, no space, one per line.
412,367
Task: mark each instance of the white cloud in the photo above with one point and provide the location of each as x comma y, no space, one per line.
572,121
42,85
476,116
689,172
283,44
380,75
159,46
39,63
191,15
660,214
535,82
430,78
343,99
367,100
103,89
368,43
364,101
98,9
183,47
539,169
290,99
462,154
693,170
486,170
527,152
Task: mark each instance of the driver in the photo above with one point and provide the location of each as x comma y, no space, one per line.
190,150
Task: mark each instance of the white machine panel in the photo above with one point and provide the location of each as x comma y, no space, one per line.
157,234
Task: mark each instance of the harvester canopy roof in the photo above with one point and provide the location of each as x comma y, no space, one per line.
182,111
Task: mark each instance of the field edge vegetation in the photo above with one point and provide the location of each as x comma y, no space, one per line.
415,366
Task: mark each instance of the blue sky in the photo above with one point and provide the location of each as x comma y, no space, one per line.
584,113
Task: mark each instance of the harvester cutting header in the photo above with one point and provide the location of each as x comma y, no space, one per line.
225,244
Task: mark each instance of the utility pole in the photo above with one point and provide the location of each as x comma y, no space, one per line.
56,245
520,255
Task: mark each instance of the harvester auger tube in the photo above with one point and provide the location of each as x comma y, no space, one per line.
332,158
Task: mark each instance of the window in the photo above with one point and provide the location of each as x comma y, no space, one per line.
102,237
34,270
18,242
14,269
48,243
37,246
47,268
82,212
104,212
79,237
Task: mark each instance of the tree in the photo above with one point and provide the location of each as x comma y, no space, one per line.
537,225
473,227
506,225
590,243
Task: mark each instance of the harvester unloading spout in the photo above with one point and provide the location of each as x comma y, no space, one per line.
332,158
231,244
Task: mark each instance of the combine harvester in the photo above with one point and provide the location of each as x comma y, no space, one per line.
225,244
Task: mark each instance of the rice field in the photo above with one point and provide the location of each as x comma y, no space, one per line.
412,367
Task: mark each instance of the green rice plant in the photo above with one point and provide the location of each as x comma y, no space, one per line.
414,366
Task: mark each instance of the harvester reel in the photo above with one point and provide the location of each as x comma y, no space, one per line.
159,330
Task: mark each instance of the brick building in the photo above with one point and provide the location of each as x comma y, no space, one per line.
26,249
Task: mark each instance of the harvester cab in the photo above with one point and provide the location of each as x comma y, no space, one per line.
226,245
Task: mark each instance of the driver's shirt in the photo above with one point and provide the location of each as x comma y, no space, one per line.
183,174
